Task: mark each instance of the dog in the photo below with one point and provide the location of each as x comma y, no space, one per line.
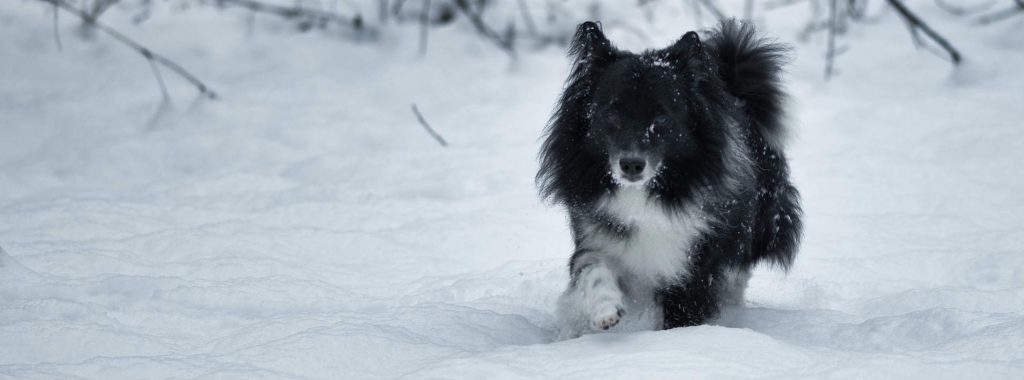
670,164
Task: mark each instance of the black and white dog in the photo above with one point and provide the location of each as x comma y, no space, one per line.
670,164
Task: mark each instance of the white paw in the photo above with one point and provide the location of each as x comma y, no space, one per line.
606,315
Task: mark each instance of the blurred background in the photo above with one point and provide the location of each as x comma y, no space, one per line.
345,189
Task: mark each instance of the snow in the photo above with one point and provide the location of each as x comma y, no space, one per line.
305,225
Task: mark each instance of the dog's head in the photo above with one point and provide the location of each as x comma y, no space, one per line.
639,117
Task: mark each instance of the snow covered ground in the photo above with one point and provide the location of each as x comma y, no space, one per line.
305,226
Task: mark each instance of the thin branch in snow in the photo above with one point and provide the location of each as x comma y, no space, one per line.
154,58
423,122
915,23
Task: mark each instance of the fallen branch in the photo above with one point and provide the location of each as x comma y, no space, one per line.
152,57
915,23
423,122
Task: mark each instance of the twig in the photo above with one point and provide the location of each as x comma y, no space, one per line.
424,27
1003,14
160,80
916,23
97,10
144,51
527,18
833,23
423,122
860,13
482,27
396,7
856,10
314,15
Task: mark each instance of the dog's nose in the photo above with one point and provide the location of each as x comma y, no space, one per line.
632,166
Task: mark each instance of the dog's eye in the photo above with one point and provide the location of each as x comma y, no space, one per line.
661,120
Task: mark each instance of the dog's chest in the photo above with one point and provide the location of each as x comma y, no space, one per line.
658,245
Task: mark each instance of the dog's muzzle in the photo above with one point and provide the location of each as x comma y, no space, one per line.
632,170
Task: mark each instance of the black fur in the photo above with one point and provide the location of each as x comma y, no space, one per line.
712,115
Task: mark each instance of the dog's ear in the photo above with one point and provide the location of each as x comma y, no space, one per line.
590,46
689,46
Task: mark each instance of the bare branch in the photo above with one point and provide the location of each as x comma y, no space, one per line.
833,24
160,80
916,23
306,14
531,28
99,7
144,51
396,7
482,27
423,122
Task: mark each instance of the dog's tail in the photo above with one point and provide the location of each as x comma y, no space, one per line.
751,66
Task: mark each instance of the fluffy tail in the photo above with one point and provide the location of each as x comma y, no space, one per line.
751,67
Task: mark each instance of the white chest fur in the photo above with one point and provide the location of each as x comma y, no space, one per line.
659,244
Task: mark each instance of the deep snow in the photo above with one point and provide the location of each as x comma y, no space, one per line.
305,226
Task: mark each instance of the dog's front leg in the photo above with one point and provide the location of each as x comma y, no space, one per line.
593,300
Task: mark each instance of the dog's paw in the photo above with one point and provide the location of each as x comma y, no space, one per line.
607,315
